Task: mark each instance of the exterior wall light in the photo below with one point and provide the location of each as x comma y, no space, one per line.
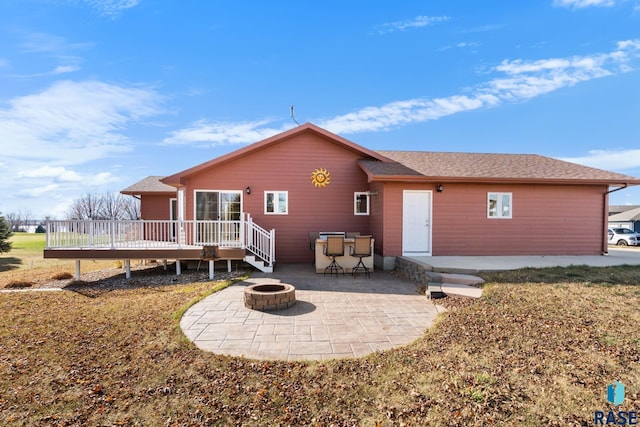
439,188
248,190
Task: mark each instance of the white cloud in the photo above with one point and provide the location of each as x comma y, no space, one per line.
372,119
58,172
211,134
112,7
52,46
584,3
61,69
417,22
67,123
38,191
520,80
101,179
74,122
523,80
49,190
461,45
619,160
48,43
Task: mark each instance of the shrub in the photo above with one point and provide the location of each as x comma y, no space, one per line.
19,284
62,276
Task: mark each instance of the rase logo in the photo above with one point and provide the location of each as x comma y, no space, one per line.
615,396
615,393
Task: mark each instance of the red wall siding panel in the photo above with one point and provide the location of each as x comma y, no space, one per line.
155,207
287,166
547,220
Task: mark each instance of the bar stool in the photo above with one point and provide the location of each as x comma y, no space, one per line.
334,248
313,236
361,249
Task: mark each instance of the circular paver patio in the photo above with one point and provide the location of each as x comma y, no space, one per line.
332,318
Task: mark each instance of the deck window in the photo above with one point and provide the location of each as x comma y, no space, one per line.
276,202
360,203
499,205
222,206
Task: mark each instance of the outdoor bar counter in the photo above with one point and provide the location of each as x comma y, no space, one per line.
346,261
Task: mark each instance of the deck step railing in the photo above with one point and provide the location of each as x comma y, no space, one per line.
158,234
260,242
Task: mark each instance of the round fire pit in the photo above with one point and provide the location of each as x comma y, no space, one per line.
272,296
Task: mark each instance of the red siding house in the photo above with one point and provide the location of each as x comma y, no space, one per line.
413,203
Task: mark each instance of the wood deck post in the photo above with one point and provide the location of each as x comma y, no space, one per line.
77,269
127,266
212,269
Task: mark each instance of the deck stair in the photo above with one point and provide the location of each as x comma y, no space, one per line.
259,264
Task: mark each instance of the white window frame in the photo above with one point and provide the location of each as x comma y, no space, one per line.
195,202
276,202
499,197
355,202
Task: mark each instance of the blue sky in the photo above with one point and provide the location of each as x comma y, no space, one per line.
98,94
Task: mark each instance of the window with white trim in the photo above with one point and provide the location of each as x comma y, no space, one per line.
360,203
499,205
276,202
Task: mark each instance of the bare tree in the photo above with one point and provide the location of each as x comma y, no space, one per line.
104,206
13,221
26,218
131,208
88,206
111,205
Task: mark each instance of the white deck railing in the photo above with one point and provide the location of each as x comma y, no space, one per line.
260,241
158,234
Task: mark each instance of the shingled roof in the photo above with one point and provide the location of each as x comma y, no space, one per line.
630,215
465,167
150,184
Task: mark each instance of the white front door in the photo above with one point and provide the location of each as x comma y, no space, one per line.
416,223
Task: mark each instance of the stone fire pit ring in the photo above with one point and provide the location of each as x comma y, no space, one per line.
269,296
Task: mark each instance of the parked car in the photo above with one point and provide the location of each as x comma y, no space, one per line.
623,237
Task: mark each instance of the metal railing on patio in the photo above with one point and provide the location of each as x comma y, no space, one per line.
158,234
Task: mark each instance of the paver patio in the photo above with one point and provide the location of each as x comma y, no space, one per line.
333,317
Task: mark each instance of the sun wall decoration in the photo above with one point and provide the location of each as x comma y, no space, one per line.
320,177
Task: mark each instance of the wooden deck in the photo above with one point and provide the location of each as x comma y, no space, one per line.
160,240
126,254
184,253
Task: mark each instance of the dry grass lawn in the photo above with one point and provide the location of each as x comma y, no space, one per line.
25,265
525,354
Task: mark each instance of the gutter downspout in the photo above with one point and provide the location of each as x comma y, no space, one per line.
605,208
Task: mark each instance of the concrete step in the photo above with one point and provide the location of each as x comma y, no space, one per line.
461,290
454,284
439,290
462,279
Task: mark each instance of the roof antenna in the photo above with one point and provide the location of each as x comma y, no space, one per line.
293,117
